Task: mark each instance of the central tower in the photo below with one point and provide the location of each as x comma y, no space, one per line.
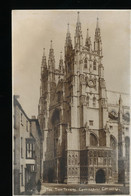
73,112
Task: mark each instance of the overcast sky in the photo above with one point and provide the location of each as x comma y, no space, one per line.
32,31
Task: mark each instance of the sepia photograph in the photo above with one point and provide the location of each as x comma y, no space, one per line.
71,102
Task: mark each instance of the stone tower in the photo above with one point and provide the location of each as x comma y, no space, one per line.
73,113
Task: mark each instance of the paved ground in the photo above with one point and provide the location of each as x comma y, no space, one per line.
83,189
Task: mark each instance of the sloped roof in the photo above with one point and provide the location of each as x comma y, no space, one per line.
113,98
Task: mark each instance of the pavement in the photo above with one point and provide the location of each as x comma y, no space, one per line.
83,189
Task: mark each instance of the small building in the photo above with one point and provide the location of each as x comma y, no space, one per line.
26,150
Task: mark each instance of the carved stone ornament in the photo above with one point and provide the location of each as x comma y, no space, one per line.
82,79
113,115
82,99
86,127
126,117
102,83
68,129
91,83
107,128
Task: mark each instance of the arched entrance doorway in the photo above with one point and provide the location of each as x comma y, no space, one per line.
50,175
100,176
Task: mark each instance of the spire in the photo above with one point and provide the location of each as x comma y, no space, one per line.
61,62
43,51
68,37
120,109
78,17
120,100
78,39
88,41
51,60
68,31
97,23
43,63
97,41
61,55
51,44
68,42
87,35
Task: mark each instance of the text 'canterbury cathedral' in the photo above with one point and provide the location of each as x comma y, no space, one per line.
85,127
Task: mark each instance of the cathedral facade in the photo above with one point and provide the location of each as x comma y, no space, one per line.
85,135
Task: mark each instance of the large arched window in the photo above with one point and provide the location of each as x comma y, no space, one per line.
55,125
55,117
93,140
127,116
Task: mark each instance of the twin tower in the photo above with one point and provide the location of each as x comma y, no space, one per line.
73,114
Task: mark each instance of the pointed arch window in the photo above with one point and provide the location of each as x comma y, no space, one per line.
93,140
94,65
94,101
85,63
59,96
126,116
87,100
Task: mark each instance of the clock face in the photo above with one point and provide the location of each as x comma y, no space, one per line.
91,83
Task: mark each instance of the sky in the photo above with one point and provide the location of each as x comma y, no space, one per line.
32,30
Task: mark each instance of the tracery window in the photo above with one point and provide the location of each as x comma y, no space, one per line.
127,116
87,100
85,63
55,125
94,101
59,96
93,140
94,65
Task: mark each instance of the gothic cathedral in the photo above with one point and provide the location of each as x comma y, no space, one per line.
85,137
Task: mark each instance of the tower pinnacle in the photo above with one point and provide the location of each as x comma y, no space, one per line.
88,41
43,63
78,17
78,39
68,31
51,61
51,44
43,51
68,42
97,41
60,55
97,24
61,63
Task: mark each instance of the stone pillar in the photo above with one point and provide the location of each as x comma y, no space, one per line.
87,135
107,138
123,144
